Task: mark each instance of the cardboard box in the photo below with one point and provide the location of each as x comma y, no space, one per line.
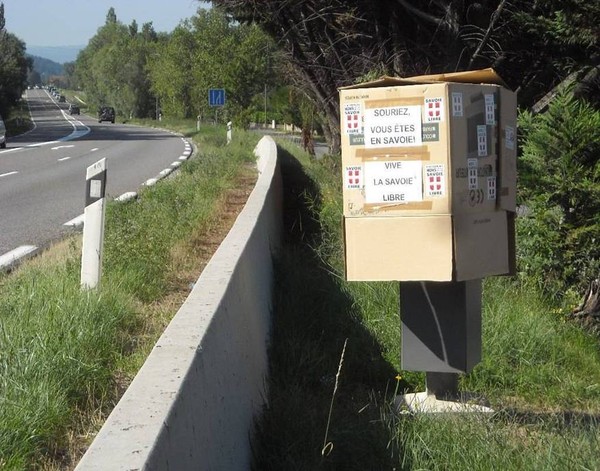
421,146
429,168
434,248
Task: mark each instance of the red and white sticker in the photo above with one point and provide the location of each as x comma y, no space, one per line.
482,146
457,104
472,169
490,109
353,177
434,110
353,118
435,181
491,188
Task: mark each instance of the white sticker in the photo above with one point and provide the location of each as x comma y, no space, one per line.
95,188
435,183
434,110
491,188
490,109
457,104
482,147
353,118
393,182
472,168
393,126
353,177
509,137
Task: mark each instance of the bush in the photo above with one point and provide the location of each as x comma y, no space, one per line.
559,230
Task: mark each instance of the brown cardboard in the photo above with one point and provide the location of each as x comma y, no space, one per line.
440,157
429,167
432,248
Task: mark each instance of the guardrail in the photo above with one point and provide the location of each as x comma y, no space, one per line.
193,403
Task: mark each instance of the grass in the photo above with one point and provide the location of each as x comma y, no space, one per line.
540,372
67,354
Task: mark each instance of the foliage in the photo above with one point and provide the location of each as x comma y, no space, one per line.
112,67
333,43
559,187
14,66
540,373
65,354
143,74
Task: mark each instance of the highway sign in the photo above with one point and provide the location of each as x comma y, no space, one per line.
216,97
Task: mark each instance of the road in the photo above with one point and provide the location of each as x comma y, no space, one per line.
42,172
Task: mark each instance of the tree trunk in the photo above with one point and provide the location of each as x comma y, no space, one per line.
588,312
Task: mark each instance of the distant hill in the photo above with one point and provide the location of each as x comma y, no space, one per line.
60,54
46,67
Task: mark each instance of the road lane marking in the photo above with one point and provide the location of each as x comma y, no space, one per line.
62,147
63,159
9,258
75,222
94,149
7,174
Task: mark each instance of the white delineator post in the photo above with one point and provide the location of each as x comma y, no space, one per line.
93,228
229,128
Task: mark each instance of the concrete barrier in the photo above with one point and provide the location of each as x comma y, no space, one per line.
193,402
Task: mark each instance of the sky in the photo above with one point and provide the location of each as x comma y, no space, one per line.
75,22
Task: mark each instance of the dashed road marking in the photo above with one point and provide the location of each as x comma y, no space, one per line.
7,174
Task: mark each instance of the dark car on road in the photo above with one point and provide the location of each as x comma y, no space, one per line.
106,113
74,109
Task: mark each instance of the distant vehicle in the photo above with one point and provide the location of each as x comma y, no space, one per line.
61,99
106,113
2,134
74,109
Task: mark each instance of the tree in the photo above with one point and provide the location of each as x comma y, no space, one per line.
113,67
332,43
14,66
559,185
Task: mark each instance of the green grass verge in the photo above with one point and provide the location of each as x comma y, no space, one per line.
540,372
64,352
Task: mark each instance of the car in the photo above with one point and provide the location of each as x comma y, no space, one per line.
2,134
106,113
61,99
74,109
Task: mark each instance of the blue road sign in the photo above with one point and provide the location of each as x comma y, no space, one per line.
216,97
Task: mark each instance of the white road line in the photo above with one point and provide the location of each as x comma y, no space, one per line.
7,174
63,159
94,149
62,147
75,222
176,164
9,258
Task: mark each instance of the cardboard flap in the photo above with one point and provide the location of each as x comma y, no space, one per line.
488,76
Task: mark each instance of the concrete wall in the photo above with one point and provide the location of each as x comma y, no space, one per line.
192,404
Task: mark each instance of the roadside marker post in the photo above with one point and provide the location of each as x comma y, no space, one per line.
93,228
229,127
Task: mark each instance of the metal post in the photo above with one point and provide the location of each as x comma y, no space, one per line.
93,229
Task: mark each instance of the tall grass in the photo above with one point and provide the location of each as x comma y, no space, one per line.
540,373
62,350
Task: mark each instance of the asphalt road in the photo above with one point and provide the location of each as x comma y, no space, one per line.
42,172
